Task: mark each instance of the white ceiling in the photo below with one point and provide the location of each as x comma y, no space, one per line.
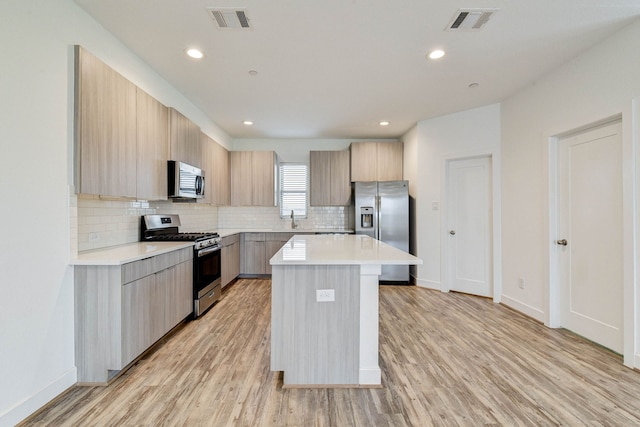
336,68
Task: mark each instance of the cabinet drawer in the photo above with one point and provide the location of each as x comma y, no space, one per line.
278,237
254,237
230,240
137,269
172,258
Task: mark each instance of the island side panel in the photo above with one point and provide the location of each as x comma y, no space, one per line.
370,373
316,343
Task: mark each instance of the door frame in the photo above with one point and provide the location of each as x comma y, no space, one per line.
496,239
628,118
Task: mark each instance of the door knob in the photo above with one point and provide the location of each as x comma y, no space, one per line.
452,232
562,242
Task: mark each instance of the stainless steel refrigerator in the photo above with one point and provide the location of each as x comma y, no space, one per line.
382,212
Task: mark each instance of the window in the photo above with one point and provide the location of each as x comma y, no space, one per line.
293,190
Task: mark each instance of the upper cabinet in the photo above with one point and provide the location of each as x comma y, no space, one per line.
376,161
329,178
184,140
105,120
153,147
253,178
215,163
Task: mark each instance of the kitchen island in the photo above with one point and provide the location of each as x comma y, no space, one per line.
324,309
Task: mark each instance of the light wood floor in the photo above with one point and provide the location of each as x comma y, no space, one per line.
446,359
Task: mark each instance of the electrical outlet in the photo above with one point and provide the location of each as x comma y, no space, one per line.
521,282
94,237
325,295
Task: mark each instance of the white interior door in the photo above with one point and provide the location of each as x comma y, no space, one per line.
469,218
590,244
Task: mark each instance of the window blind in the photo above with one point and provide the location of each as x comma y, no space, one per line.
293,190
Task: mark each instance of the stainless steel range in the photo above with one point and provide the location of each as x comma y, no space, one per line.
206,256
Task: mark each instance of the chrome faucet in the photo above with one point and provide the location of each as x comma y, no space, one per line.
293,220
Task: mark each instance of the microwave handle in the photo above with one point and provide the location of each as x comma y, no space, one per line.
200,185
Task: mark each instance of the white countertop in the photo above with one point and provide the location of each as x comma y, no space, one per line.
118,255
122,254
224,232
340,249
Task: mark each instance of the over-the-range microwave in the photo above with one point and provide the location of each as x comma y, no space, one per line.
185,181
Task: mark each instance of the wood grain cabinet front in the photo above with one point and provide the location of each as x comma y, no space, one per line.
329,178
121,310
184,139
257,249
376,161
253,178
105,134
121,134
215,164
152,146
230,259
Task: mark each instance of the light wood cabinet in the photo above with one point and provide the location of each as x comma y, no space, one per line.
152,147
121,310
177,283
139,299
263,165
273,243
215,163
252,261
184,139
257,249
253,178
105,120
376,161
230,259
329,178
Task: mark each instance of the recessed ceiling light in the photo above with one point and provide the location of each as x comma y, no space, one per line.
195,53
473,85
384,123
248,122
436,54
253,73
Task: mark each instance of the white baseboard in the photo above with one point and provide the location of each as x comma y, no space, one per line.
429,284
523,308
28,406
370,376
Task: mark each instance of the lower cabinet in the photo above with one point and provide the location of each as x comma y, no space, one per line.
258,248
230,259
253,252
122,310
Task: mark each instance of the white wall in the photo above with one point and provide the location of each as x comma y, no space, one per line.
36,283
460,134
600,83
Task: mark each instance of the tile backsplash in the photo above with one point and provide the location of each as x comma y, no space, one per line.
328,217
103,222
97,222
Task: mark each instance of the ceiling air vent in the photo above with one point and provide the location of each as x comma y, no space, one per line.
230,18
470,19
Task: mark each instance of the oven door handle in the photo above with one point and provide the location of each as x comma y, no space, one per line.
203,252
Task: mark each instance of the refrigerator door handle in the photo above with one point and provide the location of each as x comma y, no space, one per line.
379,218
